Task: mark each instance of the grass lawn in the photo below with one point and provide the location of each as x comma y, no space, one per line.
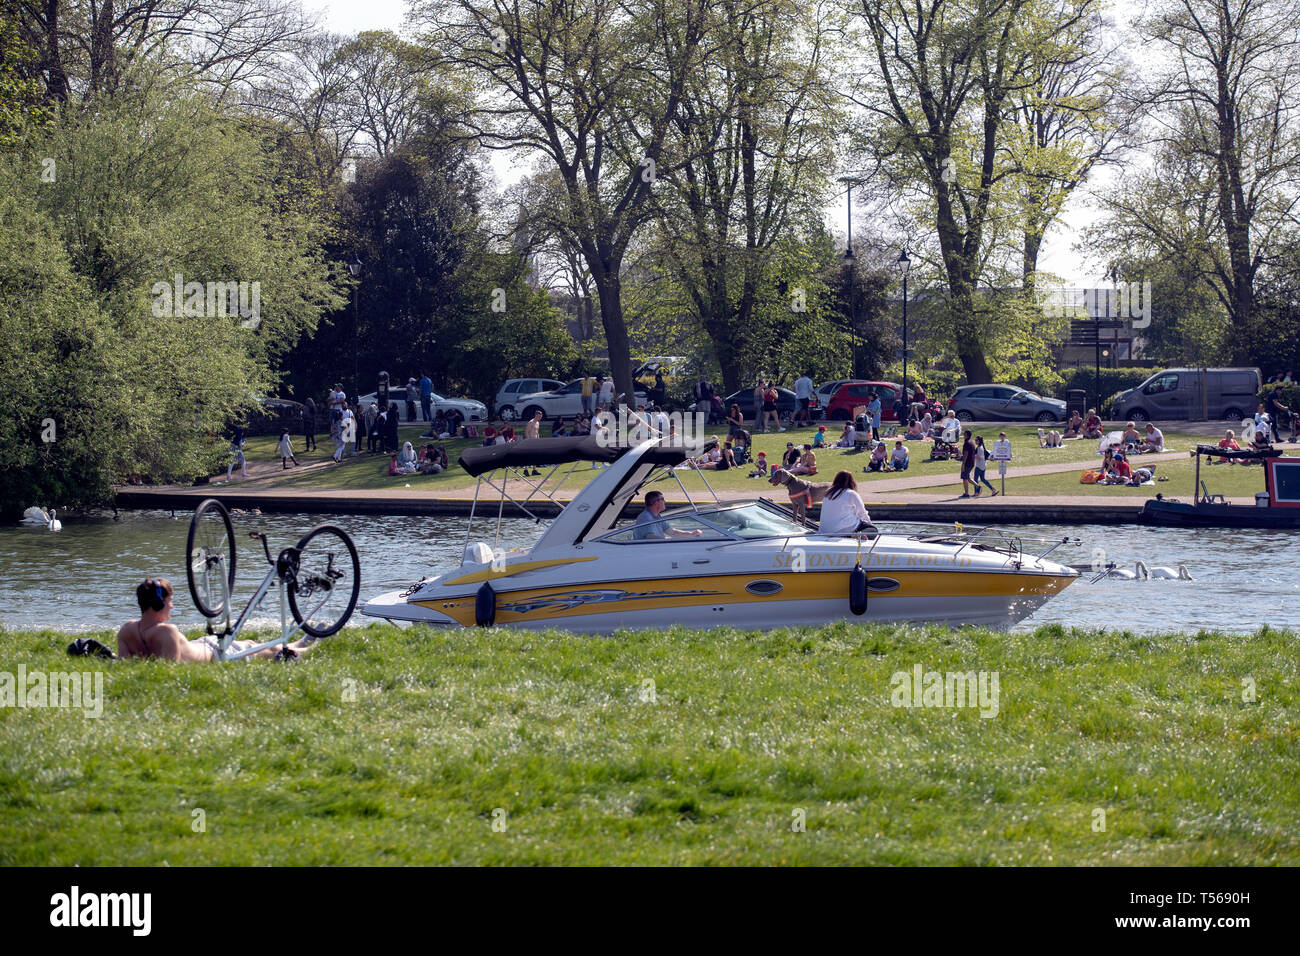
405,746
1232,481
368,472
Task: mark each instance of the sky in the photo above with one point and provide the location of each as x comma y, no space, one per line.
1058,254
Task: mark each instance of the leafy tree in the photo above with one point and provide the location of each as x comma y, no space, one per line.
147,187
590,87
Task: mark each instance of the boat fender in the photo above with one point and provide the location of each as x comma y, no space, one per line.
858,590
485,605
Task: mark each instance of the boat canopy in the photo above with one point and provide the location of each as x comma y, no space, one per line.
1247,454
538,452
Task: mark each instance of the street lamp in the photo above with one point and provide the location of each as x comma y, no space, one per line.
355,268
905,266
848,257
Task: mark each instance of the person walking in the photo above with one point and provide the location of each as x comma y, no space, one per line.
803,392
1276,409
967,465
237,451
285,448
981,463
309,424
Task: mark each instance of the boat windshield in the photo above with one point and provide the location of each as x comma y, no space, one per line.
752,520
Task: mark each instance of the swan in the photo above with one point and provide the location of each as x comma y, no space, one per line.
39,516
1168,574
1124,574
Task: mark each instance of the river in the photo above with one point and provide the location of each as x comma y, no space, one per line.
83,578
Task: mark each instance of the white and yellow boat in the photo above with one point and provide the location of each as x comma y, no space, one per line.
752,565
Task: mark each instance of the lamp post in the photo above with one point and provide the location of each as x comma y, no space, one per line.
355,268
849,259
905,266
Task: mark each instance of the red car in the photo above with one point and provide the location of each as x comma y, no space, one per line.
851,394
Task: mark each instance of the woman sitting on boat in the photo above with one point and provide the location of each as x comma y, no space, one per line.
842,509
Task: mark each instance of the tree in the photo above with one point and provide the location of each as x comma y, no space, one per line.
591,86
1222,197
755,132
134,378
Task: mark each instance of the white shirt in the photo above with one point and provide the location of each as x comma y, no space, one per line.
660,422
607,391
803,387
842,514
1156,437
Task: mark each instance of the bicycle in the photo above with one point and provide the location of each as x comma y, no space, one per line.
319,579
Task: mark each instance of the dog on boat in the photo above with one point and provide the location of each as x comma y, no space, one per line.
802,493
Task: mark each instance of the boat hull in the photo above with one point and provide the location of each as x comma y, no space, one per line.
991,599
1178,514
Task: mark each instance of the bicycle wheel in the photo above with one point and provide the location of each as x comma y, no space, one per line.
324,592
210,544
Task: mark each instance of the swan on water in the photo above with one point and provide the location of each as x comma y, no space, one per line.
39,516
1165,573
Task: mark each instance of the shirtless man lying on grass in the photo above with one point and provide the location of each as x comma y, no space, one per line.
155,636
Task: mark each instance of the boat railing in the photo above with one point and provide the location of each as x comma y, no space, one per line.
999,540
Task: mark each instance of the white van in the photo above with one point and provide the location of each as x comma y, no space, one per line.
1230,394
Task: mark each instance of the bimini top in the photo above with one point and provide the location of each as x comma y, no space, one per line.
1248,454
536,452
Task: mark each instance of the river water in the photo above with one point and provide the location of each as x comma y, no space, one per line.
83,578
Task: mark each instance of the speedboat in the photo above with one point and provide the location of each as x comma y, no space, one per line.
743,564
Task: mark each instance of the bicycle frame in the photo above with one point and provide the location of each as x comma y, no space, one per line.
229,634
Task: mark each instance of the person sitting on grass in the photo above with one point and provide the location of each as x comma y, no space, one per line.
1228,443
900,458
725,458
1262,439
153,635
433,461
1120,473
407,463
1092,426
846,436
927,425
760,466
1074,427
393,468
1131,440
1154,441
914,432
819,439
807,463
1051,439
879,458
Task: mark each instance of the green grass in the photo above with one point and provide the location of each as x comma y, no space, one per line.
744,729
1232,481
368,472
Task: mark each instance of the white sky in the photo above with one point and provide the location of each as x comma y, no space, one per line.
1058,254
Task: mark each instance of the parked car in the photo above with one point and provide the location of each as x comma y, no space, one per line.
1191,393
508,395
785,404
563,402
474,411
1004,403
851,394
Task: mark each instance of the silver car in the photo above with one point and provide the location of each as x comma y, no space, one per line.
1004,403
